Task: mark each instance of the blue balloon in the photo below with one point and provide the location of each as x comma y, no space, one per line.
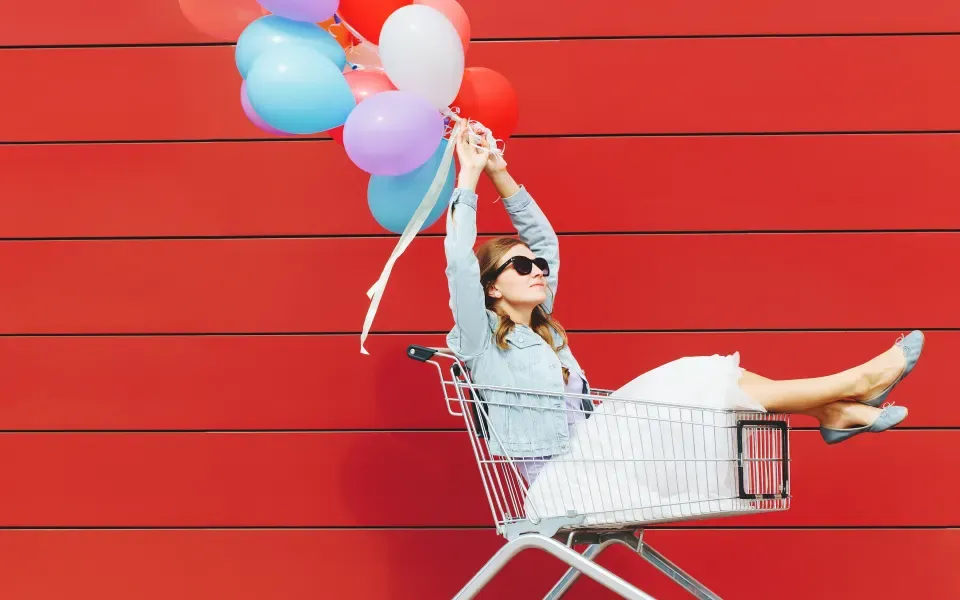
298,90
272,31
393,199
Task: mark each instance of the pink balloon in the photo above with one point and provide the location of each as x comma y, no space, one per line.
452,10
252,114
363,84
221,19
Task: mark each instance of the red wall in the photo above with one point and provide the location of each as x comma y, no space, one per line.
186,411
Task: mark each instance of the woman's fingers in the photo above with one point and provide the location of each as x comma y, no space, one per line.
463,148
474,151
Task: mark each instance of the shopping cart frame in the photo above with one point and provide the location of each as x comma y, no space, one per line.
558,537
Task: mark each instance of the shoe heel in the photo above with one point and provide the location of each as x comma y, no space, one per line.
835,436
888,418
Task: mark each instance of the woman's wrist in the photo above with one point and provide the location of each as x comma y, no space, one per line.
504,183
468,179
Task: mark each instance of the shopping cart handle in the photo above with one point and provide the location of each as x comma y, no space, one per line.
420,353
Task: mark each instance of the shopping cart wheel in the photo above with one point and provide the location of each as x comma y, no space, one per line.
420,353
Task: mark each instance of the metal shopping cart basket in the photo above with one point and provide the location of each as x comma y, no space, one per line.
631,463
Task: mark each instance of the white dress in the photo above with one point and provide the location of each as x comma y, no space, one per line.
651,452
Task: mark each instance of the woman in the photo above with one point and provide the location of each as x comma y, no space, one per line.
502,300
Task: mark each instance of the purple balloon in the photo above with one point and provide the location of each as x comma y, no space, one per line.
311,11
252,114
392,133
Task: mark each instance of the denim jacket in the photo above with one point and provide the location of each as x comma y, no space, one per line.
521,425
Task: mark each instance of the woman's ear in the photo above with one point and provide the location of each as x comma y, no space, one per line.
494,293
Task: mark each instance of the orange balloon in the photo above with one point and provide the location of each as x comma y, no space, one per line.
221,19
454,13
337,30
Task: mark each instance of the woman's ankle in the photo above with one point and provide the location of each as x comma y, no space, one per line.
843,415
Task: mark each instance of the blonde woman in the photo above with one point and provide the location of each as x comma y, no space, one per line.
502,298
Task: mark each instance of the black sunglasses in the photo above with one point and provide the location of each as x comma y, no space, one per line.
523,266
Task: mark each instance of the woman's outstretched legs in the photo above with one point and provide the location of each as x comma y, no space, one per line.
820,397
838,415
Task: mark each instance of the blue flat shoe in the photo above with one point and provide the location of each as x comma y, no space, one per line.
891,416
912,346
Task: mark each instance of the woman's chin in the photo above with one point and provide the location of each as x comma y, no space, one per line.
538,299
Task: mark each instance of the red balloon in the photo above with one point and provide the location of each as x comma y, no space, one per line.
367,17
221,19
488,97
363,84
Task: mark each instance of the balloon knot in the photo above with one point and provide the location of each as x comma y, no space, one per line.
476,133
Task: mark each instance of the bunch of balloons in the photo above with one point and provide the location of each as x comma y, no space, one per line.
382,77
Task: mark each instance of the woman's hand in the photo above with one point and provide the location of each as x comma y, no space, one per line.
472,161
495,165
496,169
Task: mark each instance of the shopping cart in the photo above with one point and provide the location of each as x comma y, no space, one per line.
631,463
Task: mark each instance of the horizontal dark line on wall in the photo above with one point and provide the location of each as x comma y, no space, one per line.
376,334
570,38
315,431
335,236
662,527
532,136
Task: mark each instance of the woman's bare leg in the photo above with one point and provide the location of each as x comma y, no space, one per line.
838,414
858,383
832,399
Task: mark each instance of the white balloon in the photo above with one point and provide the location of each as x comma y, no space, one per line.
422,53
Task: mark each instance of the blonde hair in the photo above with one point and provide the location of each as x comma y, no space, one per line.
489,255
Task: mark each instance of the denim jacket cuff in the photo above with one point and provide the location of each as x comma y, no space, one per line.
461,196
518,201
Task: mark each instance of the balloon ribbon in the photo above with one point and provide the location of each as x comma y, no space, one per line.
475,133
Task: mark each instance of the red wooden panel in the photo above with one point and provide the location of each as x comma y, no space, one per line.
402,479
283,382
685,86
433,564
62,22
792,281
152,22
506,19
689,183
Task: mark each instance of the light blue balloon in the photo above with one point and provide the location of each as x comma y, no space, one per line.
298,90
393,199
272,31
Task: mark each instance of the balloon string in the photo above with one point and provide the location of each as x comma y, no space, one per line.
477,131
430,199
354,33
356,66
